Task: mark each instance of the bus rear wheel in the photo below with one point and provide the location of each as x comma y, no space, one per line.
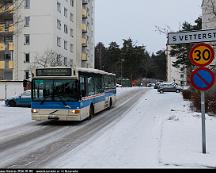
110,104
91,112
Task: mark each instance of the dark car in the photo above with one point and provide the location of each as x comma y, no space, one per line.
165,87
156,85
23,99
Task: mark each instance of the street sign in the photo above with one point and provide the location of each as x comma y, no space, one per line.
192,37
202,79
202,55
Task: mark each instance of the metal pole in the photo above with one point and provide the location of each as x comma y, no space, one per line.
203,122
121,71
5,91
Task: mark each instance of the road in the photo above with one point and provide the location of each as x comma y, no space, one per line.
36,144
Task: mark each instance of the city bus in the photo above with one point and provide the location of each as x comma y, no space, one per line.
65,94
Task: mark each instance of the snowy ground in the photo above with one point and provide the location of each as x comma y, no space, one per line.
160,131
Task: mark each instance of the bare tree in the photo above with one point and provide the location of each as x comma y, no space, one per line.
49,59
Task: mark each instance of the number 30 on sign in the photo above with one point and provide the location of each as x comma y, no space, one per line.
202,55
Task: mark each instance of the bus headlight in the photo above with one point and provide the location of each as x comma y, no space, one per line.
34,111
75,111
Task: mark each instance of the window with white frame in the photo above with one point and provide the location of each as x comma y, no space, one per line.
59,7
27,4
65,45
27,21
59,41
65,29
26,39
71,17
58,24
72,3
65,12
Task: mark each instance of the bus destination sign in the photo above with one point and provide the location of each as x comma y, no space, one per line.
54,72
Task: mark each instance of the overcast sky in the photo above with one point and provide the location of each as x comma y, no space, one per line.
121,19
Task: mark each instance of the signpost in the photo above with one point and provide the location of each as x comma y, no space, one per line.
201,55
202,78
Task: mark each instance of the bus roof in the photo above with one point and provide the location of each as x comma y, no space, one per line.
95,71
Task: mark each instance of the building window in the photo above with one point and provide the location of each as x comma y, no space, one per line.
65,12
65,61
65,29
27,4
27,58
27,39
71,32
27,21
72,3
65,45
58,7
59,24
27,75
71,48
71,17
59,41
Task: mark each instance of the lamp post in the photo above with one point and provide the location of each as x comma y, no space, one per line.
122,60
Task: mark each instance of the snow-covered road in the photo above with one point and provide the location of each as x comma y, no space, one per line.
159,130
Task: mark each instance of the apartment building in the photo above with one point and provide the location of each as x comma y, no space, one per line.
209,18
46,33
177,75
6,39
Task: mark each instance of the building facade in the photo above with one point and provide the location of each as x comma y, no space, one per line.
47,33
209,18
177,75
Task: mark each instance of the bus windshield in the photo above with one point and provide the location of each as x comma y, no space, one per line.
55,90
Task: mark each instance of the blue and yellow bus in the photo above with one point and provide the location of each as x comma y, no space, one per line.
65,94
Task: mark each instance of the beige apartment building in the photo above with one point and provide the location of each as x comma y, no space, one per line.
209,18
42,33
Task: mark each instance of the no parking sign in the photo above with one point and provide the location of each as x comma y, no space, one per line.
202,79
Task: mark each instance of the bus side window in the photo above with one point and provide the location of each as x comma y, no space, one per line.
82,86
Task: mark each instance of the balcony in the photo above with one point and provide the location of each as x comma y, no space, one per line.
6,29
2,46
2,28
7,9
84,28
11,28
2,65
84,57
11,46
84,42
11,65
6,65
84,13
11,9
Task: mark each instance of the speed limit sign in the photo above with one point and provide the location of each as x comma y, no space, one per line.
202,55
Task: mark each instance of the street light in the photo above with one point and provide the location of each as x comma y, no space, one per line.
122,60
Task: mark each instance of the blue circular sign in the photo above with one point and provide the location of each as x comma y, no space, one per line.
202,79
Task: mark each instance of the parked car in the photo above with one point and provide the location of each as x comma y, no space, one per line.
118,85
156,85
23,99
169,87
